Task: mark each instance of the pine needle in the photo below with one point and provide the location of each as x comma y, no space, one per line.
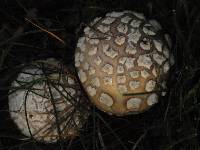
45,30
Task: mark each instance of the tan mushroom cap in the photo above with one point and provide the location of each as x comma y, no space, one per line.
36,102
120,54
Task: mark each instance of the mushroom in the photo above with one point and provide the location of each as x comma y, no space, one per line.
122,61
46,102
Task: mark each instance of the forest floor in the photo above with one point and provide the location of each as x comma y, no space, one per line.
172,124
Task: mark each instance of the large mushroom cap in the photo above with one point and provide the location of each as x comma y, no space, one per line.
46,102
119,54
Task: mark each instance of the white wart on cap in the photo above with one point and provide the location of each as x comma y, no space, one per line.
44,98
124,53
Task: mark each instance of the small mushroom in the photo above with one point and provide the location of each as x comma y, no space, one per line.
127,60
46,102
